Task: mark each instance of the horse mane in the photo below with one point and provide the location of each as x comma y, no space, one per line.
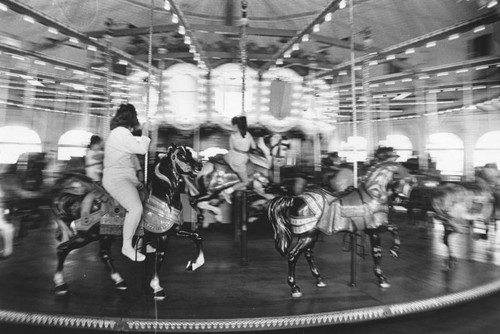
163,178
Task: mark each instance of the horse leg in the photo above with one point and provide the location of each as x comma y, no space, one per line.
161,247
293,256
105,254
198,241
396,242
377,257
75,242
451,261
310,259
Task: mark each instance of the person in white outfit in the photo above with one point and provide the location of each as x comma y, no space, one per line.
119,174
240,144
94,158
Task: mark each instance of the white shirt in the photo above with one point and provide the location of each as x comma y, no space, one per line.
119,152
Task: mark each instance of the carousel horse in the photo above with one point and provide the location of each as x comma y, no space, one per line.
460,205
216,176
6,230
85,212
364,209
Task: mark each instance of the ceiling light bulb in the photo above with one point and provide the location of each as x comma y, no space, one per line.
305,38
342,4
409,51
430,44
167,5
492,3
29,19
53,31
175,18
182,30
295,46
279,61
480,28
328,17
454,36
3,7
74,40
316,28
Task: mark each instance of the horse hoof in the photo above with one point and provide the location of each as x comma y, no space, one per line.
121,286
62,289
384,285
320,284
297,294
159,295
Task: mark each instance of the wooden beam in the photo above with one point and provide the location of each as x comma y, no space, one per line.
43,19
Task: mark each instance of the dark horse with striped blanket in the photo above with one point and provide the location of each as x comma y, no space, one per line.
85,212
316,210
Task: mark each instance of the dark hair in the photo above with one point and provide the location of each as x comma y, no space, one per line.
95,139
125,116
241,123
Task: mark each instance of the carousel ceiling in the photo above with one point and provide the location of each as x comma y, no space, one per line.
433,47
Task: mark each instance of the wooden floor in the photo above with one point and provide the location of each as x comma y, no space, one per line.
223,289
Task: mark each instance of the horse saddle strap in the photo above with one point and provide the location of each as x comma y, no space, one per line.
86,222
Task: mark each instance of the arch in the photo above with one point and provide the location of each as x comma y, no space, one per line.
182,85
487,149
447,151
227,88
401,144
73,143
355,148
15,140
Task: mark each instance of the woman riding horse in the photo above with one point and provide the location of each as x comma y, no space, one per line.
161,215
316,210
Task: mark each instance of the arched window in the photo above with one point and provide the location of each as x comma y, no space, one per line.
227,85
487,149
73,143
401,144
15,140
182,84
354,149
447,151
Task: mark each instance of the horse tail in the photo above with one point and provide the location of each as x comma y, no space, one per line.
277,215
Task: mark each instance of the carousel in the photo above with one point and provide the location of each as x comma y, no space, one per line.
373,142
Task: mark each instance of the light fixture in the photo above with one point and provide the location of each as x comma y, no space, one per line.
463,70
343,73
29,19
373,63
479,28
407,80
492,3
483,67
53,30
181,30
60,68
167,5
342,4
74,40
91,48
279,61
192,48
328,17
187,40
442,74
295,47
454,36
410,51
430,44
316,27
39,62
305,38
175,18
287,54
122,62
391,57
3,7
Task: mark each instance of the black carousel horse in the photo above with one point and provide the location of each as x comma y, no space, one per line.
364,209
85,213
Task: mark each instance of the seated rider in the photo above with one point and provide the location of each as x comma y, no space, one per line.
119,174
240,144
94,159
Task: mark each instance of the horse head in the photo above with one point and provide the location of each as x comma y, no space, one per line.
387,177
182,160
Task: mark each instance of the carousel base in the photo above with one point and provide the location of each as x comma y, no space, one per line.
224,296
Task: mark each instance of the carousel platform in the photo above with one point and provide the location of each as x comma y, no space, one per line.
224,296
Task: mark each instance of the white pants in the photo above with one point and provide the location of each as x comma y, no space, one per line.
123,188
